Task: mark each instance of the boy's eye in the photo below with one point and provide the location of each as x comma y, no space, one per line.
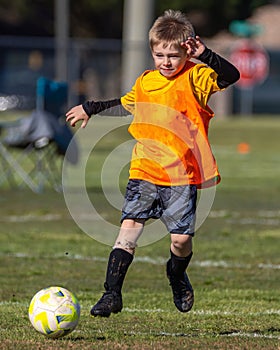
169,56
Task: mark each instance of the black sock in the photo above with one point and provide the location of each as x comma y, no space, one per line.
178,265
118,264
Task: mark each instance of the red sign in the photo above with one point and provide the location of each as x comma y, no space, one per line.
252,62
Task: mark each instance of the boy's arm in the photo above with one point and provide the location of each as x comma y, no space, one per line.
83,112
112,108
227,73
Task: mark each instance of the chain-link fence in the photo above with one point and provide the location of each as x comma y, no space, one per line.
94,69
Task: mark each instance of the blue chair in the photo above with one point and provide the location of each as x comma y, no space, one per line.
33,148
52,99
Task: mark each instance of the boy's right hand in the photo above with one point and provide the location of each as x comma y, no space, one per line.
76,114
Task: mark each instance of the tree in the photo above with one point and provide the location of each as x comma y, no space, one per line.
103,18
212,16
26,17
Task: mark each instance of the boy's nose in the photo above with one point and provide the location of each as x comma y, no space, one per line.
167,61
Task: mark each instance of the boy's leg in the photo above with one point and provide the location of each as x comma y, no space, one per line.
179,218
181,254
118,263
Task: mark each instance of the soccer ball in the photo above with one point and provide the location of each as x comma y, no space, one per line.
54,312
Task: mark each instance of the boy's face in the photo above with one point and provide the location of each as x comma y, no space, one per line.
169,60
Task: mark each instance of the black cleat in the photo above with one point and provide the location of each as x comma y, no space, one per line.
183,295
110,302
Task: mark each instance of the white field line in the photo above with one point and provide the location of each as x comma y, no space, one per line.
189,335
30,217
146,259
209,312
270,312
197,313
263,217
44,218
251,335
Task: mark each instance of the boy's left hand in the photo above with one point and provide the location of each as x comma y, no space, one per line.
194,46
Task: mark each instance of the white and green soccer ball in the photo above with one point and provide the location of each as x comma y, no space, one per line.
54,312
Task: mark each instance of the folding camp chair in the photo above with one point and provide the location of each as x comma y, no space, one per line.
32,148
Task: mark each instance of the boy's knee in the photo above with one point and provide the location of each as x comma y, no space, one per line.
181,243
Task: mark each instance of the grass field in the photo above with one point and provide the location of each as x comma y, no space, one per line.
235,269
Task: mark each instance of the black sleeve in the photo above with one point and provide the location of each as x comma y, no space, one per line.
227,72
110,108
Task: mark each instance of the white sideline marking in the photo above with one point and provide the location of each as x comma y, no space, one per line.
146,259
263,217
198,313
45,218
208,312
250,335
193,312
236,334
30,217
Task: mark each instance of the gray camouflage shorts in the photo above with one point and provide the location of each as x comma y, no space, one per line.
175,206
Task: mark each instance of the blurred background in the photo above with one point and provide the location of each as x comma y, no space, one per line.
99,48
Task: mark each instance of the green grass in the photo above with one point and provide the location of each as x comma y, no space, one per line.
234,271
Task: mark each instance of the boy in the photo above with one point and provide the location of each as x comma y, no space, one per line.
169,161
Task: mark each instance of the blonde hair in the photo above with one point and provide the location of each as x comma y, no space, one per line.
173,27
